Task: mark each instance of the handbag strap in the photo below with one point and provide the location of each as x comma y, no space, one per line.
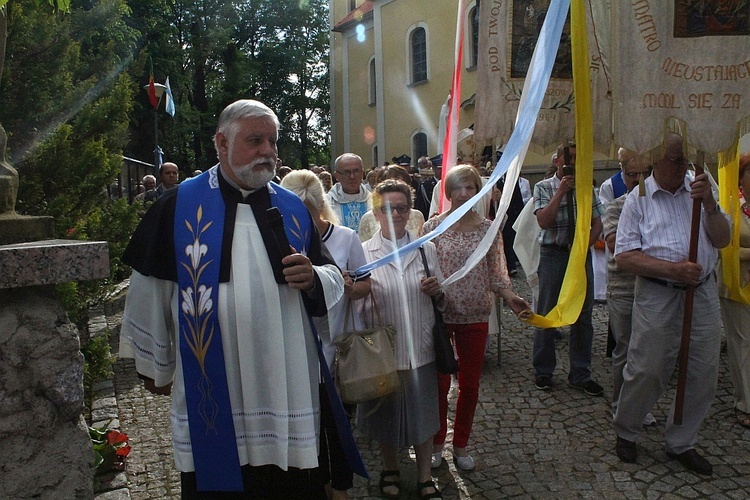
374,314
427,272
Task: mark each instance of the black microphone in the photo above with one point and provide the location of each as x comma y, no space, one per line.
276,221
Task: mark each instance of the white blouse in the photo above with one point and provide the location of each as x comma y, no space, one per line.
401,302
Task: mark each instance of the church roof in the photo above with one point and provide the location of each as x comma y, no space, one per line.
361,13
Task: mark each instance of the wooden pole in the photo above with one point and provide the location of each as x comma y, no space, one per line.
687,318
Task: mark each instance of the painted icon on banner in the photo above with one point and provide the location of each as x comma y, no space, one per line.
696,18
528,17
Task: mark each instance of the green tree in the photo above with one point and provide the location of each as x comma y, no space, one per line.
274,51
66,99
297,59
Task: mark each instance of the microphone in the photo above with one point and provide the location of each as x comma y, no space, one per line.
276,221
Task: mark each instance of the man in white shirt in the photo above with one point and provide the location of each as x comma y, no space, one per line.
653,239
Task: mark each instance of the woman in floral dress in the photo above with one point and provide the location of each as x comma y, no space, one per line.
468,305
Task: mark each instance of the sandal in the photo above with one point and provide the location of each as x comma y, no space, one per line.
425,485
385,483
743,419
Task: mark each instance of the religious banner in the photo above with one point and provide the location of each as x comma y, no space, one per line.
508,32
685,59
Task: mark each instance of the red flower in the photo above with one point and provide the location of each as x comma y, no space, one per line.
116,437
123,451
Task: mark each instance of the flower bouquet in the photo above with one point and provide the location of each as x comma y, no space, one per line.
110,449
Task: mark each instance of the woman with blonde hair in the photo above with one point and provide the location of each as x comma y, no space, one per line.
345,248
467,306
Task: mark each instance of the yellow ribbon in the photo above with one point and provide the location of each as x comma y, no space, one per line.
729,199
573,291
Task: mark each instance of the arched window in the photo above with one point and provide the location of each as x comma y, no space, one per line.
418,145
373,94
418,46
352,5
474,36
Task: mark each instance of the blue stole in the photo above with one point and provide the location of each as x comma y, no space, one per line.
198,233
618,185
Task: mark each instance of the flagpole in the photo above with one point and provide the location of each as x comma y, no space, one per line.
157,157
159,91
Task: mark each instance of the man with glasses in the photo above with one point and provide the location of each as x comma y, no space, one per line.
620,284
653,240
611,189
348,198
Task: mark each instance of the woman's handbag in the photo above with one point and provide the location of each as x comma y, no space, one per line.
365,364
445,359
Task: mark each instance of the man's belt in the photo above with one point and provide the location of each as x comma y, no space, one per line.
671,284
555,246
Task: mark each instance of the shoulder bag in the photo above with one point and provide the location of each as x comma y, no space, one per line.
445,358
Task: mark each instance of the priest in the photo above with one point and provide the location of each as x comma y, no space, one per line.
227,270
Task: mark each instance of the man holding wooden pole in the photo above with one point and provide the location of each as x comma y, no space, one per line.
653,240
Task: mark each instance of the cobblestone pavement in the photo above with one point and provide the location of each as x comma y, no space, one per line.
527,443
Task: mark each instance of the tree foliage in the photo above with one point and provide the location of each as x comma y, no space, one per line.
65,101
72,99
215,52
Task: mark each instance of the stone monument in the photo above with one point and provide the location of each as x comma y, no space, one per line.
15,228
45,450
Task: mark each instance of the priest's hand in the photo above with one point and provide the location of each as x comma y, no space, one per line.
299,272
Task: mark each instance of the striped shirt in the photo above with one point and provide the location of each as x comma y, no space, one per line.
544,190
401,302
658,224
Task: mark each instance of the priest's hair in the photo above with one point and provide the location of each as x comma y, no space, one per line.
239,110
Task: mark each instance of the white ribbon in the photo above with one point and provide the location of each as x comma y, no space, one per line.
534,88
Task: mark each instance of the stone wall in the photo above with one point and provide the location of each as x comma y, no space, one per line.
45,448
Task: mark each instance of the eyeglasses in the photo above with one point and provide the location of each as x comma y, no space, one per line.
677,160
401,209
635,175
349,173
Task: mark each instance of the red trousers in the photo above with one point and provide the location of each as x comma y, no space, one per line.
470,341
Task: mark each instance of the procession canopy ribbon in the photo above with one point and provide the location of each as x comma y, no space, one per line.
573,290
542,62
729,200
451,133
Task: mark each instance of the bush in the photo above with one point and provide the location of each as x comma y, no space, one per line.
98,364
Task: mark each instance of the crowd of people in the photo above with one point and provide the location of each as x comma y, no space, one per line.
243,277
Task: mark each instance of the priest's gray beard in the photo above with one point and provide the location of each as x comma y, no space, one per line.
255,174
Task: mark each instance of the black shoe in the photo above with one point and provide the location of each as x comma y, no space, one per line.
394,482
543,383
589,387
426,485
626,450
693,461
